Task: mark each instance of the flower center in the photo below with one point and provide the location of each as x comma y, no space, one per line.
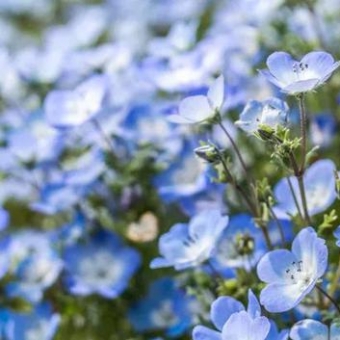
297,273
299,67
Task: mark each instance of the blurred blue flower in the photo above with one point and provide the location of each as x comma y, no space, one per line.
40,324
102,265
34,265
322,129
166,307
319,182
240,246
35,140
4,218
67,108
294,77
71,232
271,112
184,177
144,124
56,197
233,321
337,235
188,245
210,197
314,330
291,275
198,109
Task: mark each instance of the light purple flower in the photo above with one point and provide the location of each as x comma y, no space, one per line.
294,77
291,275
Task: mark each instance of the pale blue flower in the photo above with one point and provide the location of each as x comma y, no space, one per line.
41,323
234,322
188,245
240,246
166,307
34,265
103,265
314,330
319,183
291,275
198,109
271,112
70,108
294,77
337,235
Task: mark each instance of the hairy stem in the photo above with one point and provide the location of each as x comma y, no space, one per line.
328,297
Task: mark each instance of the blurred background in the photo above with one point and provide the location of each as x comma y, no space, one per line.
91,170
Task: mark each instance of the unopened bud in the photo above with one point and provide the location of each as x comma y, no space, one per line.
208,152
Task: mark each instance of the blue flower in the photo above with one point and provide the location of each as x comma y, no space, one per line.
188,245
337,235
319,182
294,77
36,265
271,112
198,109
233,322
291,275
67,109
323,129
166,307
4,219
314,330
56,197
40,324
186,176
240,246
102,265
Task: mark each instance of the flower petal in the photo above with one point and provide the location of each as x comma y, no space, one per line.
312,250
281,297
204,333
216,93
321,64
222,309
196,109
309,329
280,65
302,86
241,326
273,265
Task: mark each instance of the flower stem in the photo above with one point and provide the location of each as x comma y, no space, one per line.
303,130
294,197
278,223
238,153
300,172
303,198
243,194
106,139
328,297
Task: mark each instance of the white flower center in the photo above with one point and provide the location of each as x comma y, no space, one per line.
164,316
299,274
303,72
100,269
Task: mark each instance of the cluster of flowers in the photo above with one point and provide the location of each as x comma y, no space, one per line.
127,119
